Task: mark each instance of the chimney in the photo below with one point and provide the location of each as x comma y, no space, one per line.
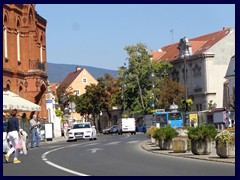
78,68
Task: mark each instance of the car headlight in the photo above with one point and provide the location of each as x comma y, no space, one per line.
69,132
88,132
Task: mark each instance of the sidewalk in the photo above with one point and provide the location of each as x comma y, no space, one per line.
148,146
54,140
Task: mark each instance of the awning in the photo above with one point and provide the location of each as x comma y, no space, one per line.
14,101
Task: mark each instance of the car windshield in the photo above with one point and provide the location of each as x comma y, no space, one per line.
78,126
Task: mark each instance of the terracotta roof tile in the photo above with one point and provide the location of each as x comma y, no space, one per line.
70,78
157,55
199,45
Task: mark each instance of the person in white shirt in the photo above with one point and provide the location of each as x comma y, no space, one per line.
34,132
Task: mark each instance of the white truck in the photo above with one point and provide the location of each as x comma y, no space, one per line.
127,125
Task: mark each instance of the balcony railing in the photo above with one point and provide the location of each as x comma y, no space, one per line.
37,65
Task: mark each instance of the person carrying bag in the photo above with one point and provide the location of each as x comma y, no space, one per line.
14,136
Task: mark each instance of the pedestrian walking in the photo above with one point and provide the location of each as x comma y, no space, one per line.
34,131
14,136
65,128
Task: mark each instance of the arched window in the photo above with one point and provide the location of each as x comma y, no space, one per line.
8,87
20,89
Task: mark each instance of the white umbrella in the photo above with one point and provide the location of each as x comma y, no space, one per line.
14,101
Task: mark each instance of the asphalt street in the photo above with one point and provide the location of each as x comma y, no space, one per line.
110,155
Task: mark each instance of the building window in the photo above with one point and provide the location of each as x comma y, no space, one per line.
18,46
200,107
84,80
196,71
5,43
175,75
18,42
8,87
41,49
197,107
77,92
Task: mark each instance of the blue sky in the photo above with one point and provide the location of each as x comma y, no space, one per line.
96,34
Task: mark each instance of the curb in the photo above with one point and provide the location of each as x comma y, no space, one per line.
145,146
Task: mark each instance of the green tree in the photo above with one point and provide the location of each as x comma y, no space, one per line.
110,88
82,105
58,113
138,79
168,92
64,94
92,101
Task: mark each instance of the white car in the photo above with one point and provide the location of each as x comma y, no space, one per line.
82,131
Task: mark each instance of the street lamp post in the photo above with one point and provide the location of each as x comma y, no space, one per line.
123,91
152,77
185,75
186,56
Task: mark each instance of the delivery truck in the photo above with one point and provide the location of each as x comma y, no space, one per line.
127,125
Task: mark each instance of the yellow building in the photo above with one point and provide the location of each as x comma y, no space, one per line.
76,82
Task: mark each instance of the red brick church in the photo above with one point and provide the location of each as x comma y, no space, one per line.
24,54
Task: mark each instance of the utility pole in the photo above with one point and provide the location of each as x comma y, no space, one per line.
152,78
185,81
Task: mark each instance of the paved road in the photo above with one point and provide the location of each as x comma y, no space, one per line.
110,156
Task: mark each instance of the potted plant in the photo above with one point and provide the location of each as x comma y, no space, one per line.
201,138
150,133
225,144
180,143
164,135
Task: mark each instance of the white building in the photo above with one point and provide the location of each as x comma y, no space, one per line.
207,59
229,85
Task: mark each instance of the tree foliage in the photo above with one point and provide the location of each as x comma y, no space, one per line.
145,82
168,92
64,95
97,98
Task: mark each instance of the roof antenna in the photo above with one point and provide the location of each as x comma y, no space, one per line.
171,31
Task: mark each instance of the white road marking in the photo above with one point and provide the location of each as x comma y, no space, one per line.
60,167
94,150
113,143
132,142
65,169
90,144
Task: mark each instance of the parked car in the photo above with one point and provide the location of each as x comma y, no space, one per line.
110,129
114,129
24,134
82,131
